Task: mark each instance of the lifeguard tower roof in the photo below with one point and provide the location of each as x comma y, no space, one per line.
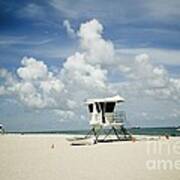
108,99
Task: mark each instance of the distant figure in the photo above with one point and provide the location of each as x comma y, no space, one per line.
133,139
2,131
52,146
166,136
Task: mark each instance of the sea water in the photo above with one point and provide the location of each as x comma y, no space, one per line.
171,131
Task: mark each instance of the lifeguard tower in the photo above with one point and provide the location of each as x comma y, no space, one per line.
104,115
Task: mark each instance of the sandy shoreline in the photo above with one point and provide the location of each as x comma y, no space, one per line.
51,157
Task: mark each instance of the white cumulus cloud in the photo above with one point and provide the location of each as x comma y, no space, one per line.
32,69
97,50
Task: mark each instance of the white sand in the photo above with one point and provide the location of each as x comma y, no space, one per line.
32,157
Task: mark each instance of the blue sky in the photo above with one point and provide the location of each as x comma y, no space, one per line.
36,29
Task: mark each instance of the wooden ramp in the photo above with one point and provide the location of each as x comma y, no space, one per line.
79,141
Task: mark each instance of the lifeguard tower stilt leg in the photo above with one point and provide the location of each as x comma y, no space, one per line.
116,133
94,133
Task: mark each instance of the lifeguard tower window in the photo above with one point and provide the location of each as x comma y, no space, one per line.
110,107
90,106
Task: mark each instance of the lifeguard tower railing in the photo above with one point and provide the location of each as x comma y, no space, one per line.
117,117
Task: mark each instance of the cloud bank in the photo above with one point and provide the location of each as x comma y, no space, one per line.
86,74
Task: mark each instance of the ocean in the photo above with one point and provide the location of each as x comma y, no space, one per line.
171,131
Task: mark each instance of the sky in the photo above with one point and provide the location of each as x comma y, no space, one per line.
55,54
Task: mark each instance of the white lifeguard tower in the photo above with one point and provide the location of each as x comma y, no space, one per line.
104,115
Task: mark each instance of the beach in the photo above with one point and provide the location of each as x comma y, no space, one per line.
51,157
